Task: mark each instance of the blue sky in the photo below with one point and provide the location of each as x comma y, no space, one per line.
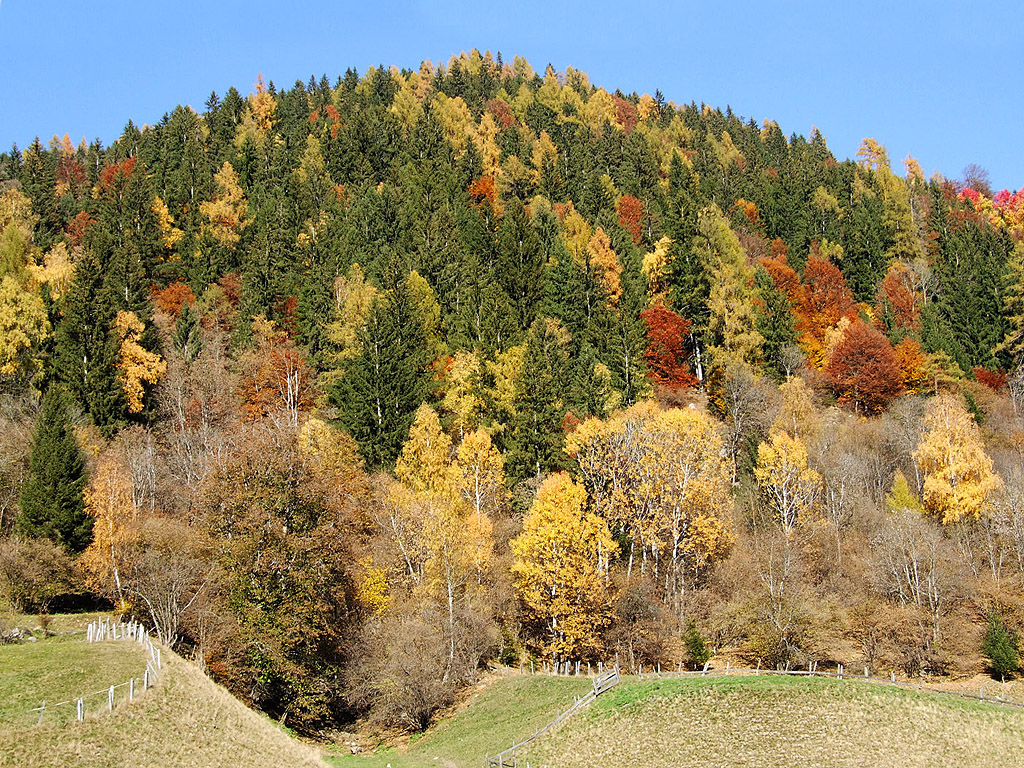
939,80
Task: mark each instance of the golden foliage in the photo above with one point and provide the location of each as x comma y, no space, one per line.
662,476
108,500
561,559
424,465
23,326
138,366
959,481
655,267
462,393
789,489
226,213
576,232
480,473
372,586
607,263
170,235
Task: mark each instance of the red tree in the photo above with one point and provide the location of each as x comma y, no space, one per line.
631,216
824,301
863,369
172,298
666,352
896,291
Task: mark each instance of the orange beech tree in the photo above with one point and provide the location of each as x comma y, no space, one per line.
666,352
863,369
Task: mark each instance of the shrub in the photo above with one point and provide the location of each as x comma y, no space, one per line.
33,572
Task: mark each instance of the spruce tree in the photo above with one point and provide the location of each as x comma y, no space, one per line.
535,442
385,383
51,503
520,264
775,322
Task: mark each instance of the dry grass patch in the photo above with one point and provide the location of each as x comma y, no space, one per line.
774,722
187,720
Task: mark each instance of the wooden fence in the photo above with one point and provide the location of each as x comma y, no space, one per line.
602,682
608,677
98,701
839,673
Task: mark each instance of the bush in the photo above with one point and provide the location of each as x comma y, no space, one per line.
1002,647
33,572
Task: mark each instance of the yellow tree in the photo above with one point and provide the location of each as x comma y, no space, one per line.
455,544
958,478
480,473
607,263
226,214
663,477
424,465
23,326
797,416
789,488
138,366
108,500
656,266
560,564
462,394
732,325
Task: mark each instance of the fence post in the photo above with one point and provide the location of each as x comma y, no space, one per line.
892,676
981,694
706,665
131,689
158,664
110,699
757,671
866,675
145,679
840,671
79,707
41,710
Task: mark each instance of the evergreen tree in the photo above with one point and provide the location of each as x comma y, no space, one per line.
520,264
1002,647
775,322
386,381
86,350
535,443
52,505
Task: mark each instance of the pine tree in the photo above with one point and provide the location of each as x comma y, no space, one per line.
520,265
52,505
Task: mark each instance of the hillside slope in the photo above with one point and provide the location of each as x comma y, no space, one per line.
186,721
500,713
771,721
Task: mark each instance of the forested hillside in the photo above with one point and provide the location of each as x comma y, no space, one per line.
350,388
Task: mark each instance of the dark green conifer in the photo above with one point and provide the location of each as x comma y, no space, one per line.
536,438
51,501
385,383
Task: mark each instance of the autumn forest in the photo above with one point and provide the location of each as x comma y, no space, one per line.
351,389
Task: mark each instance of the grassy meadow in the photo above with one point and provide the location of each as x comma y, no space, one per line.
186,720
771,721
496,716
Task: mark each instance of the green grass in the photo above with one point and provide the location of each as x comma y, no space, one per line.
780,721
186,720
56,670
501,714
